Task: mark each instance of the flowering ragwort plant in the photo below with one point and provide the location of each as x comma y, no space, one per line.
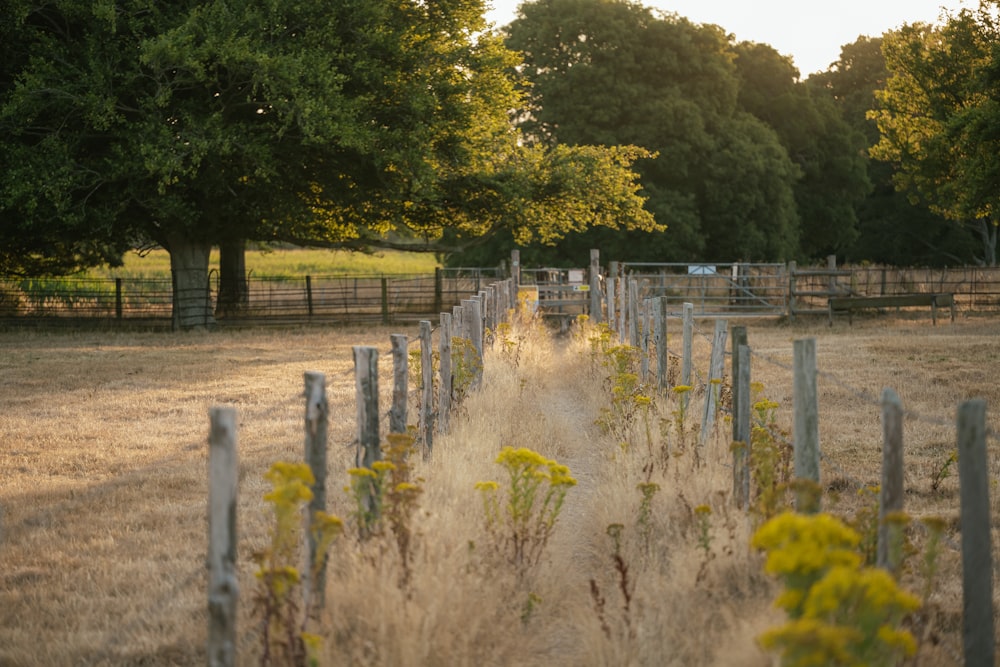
283,637
840,613
521,522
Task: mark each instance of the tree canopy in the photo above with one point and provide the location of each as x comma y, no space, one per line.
939,118
354,123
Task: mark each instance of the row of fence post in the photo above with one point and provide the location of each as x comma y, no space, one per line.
632,320
482,312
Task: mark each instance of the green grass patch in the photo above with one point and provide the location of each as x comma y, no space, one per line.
285,262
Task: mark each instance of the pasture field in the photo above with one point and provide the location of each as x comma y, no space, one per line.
103,496
283,262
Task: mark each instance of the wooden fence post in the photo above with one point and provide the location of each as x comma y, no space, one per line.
400,383
610,297
309,295
223,586
806,426
595,287
515,275
426,388
741,429
633,313
385,300
118,299
889,555
746,429
688,339
438,288
716,370
791,290
644,313
474,322
369,449
317,418
977,560
458,322
660,334
444,397
622,309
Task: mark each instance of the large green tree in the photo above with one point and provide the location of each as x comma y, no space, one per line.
827,150
892,228
939,118
341,124
614,72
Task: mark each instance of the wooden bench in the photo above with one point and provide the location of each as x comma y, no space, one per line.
848,304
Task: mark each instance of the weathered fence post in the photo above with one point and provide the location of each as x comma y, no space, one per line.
889,555
474,322
438,288
515,275
977,560
426,389
716,370
633,312
369,449
687,322
741,416
317,418
660,334
806,426
791,290
610,297
622,309
309,295
444,353
400,383
385,300
644,339
223,586
118,298
595,287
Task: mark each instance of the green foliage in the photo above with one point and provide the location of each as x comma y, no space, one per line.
466,368
840,613
521,519
276,600
937,116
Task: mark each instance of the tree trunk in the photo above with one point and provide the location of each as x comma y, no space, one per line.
192,293
988,232
234,292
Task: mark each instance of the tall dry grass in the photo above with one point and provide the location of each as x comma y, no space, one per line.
103,493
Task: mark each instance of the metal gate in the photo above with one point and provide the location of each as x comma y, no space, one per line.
735,289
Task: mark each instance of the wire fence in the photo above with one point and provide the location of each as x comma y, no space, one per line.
272,299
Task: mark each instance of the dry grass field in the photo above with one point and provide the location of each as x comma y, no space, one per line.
103,494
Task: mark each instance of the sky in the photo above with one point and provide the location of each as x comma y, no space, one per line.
811,32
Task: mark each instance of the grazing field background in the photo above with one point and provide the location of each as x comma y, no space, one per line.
103,494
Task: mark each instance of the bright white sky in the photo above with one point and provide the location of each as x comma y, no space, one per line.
811,32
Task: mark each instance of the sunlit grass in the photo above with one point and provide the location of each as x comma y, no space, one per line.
285,262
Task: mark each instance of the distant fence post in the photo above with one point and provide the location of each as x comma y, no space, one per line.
612,322
622,309
385,300
444,368
515,275
660,334
118,298
977,560
426,389
400,383
687,322
806,426
368,447
644,313
595,286
633,312
716,370
438,288
223,586
317,418
791,290
474,331
309,295
889,555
